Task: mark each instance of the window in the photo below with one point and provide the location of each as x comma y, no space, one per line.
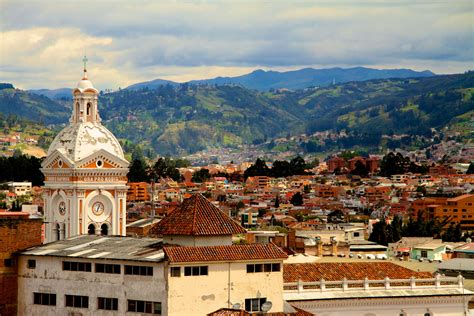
356,234
104,230
138,270
107,268
77,266
77,301
31,264
106,303
193,271
424,254
9,262
91,229
175,271
44,299
455,210
263,267
144,307
254,304
463,210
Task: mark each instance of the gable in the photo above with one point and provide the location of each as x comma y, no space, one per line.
57,161
102,159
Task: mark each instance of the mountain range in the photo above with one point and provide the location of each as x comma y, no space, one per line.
297,79
182,119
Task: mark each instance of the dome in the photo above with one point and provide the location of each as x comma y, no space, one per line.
85,84
80,140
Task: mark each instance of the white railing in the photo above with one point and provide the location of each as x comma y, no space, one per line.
437,282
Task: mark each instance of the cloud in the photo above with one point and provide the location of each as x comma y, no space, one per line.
42,42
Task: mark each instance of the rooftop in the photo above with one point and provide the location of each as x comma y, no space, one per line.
99,247
336,271
197,216
224,253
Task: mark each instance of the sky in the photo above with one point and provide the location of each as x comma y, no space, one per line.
43,42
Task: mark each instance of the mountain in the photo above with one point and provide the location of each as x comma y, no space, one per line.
54,94
298,79
189,118
153,84
31,106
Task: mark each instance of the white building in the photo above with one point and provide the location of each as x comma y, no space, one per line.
85,174
19,188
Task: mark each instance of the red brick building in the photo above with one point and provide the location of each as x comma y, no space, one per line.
17,232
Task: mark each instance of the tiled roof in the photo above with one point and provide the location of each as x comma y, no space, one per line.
240,312
336,271
224,253
197,216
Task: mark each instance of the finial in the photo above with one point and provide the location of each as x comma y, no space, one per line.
85,66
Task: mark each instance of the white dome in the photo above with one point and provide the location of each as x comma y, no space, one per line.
79,140
85,84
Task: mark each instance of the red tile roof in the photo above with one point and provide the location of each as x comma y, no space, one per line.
224,253
240,312
197,216
336,271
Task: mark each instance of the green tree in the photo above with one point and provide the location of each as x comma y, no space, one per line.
297,199
201,175
470,170
138,167
259,168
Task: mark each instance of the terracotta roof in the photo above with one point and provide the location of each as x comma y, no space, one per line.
336,271
224,253
197,216
240,312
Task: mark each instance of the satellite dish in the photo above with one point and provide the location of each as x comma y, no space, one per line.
236,306
266,306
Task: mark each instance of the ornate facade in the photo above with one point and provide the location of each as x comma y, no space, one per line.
85,174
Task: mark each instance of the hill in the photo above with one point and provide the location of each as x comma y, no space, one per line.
189,118
31,106
298,79
54,94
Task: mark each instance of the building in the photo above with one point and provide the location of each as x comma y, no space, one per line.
17,232
19,188
138,191
85,174
372,289
113,274
460,209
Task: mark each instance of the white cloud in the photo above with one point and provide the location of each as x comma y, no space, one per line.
42,42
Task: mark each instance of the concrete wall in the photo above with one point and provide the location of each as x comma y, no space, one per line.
205,294
48,277
412,306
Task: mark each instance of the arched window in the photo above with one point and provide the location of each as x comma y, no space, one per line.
58,232
88,109
104,230
91,229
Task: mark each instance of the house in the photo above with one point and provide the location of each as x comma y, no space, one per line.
431,250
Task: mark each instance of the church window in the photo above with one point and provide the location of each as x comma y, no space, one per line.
88,109
58,232
91,229
99,163
104,230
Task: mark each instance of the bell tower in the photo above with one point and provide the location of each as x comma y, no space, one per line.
85,173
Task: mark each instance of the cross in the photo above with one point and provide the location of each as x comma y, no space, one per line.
85,61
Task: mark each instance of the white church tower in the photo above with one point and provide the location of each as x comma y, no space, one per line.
85,174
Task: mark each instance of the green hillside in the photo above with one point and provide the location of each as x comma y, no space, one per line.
31,106
188,118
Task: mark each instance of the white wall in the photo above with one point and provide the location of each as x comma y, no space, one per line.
200,295
48,277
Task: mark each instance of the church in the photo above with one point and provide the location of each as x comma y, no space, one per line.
85,174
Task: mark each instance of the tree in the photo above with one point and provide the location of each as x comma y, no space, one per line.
297,166
360,169
277,202
166,168
297,199
259,168
138,167
201,176
380,233
470,170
